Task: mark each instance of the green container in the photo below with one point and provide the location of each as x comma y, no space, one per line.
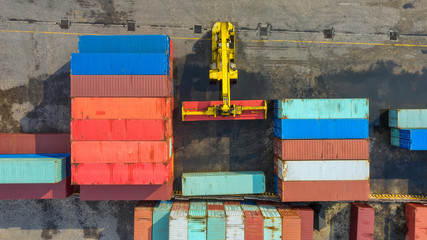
216,225
222,183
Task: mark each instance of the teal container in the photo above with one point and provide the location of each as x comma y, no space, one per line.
161,215
32,170
222,183
249,206
272,222
395,141
407,118
216,225
394,132
197,222
321,108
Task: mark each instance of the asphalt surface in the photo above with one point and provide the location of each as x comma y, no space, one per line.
295,61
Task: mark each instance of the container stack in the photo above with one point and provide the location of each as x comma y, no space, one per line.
321,149
362,221
34,166
121,126
416,221
408,128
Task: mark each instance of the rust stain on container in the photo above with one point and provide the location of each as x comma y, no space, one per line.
143,224
254,225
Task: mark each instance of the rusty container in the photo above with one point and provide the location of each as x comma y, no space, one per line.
143,223
362,219
291,222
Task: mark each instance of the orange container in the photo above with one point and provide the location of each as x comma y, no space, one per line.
143,225
291,222
121,108
416,221
307,222
121,151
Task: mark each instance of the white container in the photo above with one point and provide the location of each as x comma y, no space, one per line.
178,223
234,222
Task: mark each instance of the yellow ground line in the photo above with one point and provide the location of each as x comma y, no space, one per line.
280,40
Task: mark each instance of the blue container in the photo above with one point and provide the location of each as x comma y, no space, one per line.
45,155
32,168
321,108
124,44
413,139
119,64
321,128
216,225
276,184
161,215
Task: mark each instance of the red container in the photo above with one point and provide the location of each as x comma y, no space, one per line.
29,143
121,108
362,221
121,151
121,130
291,222
143,224
325,149
307,222
126,192
181,205
315,191
216,207
203,105
121,86
254,225
36,190
416,221
121,173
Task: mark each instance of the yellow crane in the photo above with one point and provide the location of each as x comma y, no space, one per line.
223,70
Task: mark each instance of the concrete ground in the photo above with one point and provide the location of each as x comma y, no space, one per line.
360,61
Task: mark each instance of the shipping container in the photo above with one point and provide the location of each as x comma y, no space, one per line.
119,64
321,128
362,219
321,108
143,223
29,143
407,118
413,139
121,108
216,224
222,183
32,168
121,173
36,190
197,222
178,221
319,170
254,221
234,222
307,221
416,221
291,222
325,149
316,191
161,215
124,44
394,141
121,130
126,192
121,151
121,86
272,222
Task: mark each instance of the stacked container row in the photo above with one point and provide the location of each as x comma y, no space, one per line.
321,149
362,220
34,166
408,128
416,221
216,220
121,117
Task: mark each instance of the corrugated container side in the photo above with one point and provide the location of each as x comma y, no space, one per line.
394,132
322,108
36,190
272,222
121,108
311,191
121,151
413,139
291,222
119,64
408,118
216,224
161,215
197,222
143,225
178,221
235,222
222,183
307,222
121,86
254,225
28,143
22,169
394,141
216,207
319,170
121,130
325,149
321,128
126,192
362,220
416,221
